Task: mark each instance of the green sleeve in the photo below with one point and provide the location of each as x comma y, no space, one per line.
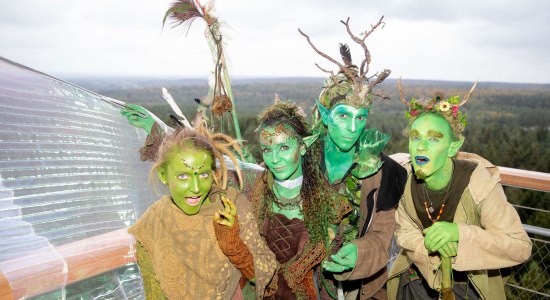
150,284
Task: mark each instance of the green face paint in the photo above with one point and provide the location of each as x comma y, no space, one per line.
189,179
431,149
281,151
346,124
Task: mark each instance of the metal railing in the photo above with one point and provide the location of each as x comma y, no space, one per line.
530,280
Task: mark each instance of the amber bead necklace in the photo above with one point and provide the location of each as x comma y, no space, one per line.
430,210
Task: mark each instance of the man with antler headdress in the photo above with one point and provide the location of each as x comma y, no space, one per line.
453,214
354,166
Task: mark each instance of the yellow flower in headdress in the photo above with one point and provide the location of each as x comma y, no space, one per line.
447,108
444,105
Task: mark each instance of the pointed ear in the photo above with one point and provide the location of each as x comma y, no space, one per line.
303,150
161,173
323,111
309,140
455,146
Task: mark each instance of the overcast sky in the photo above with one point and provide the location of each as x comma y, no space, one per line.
467,40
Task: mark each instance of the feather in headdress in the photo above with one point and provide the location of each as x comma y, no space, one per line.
346,54
182,12
220,96
166,96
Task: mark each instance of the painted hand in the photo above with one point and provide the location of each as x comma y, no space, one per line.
439,234
368,157
138,116
343,260
226,216
449,250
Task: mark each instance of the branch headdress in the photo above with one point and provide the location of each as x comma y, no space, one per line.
351,84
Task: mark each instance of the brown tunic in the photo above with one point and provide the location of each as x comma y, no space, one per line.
286,238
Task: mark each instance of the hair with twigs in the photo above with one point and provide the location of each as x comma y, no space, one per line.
351,84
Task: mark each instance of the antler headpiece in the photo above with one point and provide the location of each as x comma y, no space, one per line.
351,84
447,108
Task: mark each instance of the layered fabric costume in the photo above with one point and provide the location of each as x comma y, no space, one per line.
378,196
491,235
299,259
182,250
299,275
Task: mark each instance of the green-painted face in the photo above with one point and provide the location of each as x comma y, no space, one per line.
431,147
281,151
346,124
188,174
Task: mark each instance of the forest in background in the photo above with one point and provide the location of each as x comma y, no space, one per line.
508,124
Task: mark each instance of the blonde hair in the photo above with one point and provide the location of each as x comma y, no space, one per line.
199,138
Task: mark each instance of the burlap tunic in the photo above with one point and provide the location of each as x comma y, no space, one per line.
184,253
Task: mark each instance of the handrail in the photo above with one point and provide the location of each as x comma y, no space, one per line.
524,179
83,259
536,230
106,252
519,178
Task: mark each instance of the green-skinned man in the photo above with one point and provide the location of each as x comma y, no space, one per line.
453,208
353,164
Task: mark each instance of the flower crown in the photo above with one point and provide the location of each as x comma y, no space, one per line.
447,108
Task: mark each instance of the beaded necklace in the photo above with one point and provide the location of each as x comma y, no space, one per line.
430,210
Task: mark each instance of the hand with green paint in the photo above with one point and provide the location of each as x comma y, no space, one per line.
228,216
138,116
345,259
449,250
439,234
368,155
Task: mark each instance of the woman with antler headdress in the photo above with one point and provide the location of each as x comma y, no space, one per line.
353,164
453,214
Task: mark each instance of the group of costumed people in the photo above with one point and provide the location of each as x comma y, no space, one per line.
319,221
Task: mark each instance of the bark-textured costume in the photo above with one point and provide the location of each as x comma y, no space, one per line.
491,234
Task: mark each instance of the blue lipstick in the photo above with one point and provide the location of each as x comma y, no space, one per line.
421,160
